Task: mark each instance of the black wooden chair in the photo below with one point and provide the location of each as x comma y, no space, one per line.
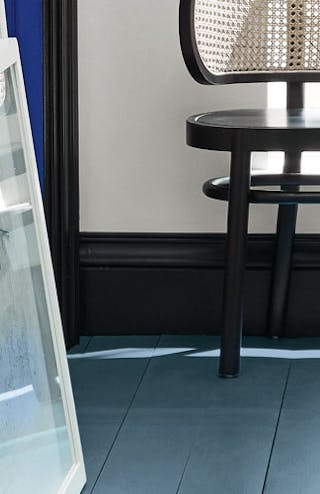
237,41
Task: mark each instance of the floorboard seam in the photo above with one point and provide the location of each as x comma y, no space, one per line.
276,430
87,345
123,420
184,470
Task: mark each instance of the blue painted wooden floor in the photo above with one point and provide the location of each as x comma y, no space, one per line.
155,420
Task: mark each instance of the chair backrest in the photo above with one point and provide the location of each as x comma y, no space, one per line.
226,41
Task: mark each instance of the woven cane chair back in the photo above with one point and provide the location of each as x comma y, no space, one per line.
225,41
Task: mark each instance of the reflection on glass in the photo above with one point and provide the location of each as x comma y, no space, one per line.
2,89
35,454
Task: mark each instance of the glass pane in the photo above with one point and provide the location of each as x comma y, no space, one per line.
35,455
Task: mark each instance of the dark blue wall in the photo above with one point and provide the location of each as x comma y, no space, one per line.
25,23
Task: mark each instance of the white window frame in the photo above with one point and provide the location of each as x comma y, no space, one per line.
10,58
3,21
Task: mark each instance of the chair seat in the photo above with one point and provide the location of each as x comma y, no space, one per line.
264,130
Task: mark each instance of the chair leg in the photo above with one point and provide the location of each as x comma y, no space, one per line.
281,270
235,259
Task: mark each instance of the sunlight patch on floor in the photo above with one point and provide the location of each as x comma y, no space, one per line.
137,353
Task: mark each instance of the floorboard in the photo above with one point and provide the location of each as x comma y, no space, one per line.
186,427
295,464
231,452
154,420
103,390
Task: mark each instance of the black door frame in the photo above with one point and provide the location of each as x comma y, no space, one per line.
61,154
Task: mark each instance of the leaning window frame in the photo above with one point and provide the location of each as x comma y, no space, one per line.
10,59
3,21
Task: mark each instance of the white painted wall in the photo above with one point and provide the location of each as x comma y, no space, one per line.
136,172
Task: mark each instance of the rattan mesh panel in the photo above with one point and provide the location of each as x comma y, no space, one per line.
258,35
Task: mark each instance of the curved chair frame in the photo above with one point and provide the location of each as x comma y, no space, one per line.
202,75
219,188
237,189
